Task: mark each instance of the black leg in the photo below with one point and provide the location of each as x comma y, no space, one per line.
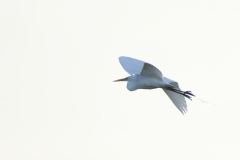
186,94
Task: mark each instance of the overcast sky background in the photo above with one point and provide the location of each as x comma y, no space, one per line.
58,60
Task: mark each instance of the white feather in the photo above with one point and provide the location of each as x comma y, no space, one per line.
131,65
135,66
177,99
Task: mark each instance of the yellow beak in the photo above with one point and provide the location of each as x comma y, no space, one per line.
118,80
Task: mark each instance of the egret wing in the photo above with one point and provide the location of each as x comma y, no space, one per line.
135,66
177,99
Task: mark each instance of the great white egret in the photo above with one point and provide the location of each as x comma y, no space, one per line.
145,76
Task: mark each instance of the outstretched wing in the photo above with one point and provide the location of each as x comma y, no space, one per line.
135,66
177,99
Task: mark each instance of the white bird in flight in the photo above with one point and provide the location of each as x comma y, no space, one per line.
145,76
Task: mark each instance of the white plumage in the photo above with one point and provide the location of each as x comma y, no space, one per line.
146,76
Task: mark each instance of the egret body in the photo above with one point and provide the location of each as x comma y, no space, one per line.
146,76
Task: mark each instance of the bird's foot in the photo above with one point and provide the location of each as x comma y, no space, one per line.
188,93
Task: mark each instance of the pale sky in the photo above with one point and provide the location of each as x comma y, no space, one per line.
58,60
